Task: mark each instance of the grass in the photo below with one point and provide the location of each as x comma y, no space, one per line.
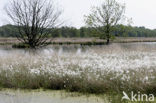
26,80
81,41
108,70
88,73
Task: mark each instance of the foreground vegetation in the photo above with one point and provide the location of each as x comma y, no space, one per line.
96,71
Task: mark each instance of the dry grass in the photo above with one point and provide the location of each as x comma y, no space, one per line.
135,39
87,41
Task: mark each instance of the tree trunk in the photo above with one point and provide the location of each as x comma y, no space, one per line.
107,41
108,34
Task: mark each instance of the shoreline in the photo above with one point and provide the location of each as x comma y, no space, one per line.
83,41
48,96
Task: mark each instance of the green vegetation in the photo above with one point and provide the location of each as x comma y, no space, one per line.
118,31
24,79
105,17
20,45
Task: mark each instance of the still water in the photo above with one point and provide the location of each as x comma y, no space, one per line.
143,46
39,96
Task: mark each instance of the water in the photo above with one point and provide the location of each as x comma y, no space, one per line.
77,49
39,96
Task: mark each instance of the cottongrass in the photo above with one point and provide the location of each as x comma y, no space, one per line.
101,70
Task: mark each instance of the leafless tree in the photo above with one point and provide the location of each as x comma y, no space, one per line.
105,17
34,19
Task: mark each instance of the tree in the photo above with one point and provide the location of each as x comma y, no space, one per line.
34,19
104,18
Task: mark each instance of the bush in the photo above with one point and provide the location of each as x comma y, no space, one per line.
20,45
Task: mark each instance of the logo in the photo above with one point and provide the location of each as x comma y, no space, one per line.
138,97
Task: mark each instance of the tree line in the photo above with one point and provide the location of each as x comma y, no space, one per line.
118,31
34,21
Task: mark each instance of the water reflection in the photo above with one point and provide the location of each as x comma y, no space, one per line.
48,97
77,49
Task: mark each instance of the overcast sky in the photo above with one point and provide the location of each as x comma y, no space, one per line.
141,11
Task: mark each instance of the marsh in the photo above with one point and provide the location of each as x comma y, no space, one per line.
84,69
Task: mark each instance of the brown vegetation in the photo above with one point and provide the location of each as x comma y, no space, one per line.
6,41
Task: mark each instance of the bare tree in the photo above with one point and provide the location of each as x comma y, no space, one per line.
34,19
104,18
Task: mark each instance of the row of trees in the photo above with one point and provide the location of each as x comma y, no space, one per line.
118,31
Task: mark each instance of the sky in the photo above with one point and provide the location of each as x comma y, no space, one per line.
142,12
